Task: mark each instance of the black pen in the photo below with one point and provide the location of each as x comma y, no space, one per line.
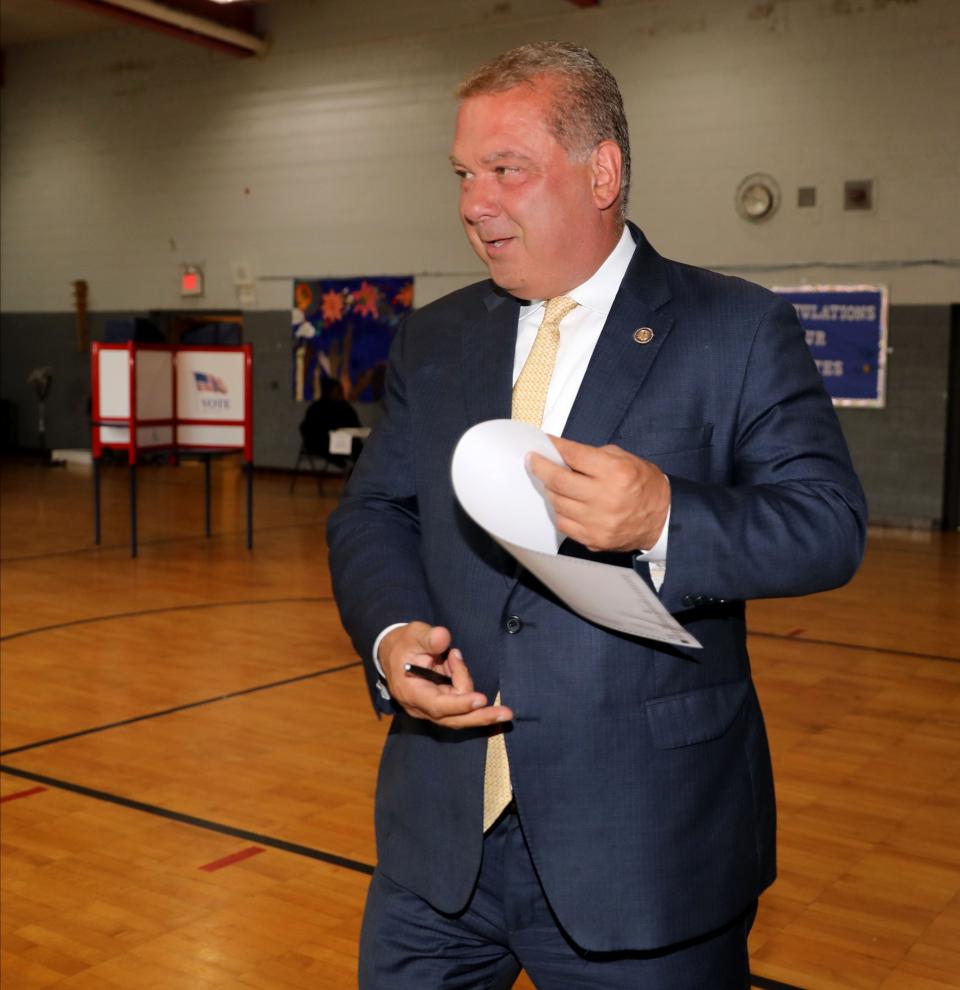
427,673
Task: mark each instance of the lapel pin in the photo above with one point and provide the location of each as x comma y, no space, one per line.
643,336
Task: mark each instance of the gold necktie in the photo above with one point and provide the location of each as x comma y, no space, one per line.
529,399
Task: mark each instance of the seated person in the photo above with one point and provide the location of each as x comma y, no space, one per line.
330,412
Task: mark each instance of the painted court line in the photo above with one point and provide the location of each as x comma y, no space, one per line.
178,816
765,983
19,794
237,857
112,617
181,708
94,548
864,647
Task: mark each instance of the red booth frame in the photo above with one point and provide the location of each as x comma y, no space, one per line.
132,423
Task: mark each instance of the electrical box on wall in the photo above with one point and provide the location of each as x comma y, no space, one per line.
858,194
244,284
191,280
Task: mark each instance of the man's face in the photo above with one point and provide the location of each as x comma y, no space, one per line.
529,212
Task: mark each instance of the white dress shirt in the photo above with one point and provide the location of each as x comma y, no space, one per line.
579,333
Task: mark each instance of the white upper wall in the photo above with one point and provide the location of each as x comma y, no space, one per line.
127,154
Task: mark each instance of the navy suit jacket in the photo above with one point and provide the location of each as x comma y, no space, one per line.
641,771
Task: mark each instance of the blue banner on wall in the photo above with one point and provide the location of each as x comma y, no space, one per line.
846,328
342,330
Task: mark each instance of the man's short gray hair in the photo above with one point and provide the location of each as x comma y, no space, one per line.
588,107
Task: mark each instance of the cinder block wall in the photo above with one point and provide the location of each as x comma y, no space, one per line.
126,154
899,450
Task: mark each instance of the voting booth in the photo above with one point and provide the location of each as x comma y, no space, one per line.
185,401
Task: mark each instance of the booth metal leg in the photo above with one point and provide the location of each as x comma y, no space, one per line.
133,510
96,501
250,506
206,495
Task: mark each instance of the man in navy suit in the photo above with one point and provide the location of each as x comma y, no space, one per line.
701,450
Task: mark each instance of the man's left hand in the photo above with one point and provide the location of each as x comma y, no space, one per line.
606,498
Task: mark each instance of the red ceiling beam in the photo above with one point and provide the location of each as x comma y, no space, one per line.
236,15
186,26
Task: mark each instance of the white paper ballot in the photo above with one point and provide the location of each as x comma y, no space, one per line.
341,441
492,483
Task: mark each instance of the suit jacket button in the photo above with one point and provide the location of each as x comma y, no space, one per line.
513,625
689,600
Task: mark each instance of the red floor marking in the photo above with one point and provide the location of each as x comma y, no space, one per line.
20,794
237,857
794,632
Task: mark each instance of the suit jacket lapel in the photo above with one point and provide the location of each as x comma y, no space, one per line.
488,346
489,343
615,372
620,363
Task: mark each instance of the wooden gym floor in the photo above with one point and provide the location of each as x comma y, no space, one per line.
189,755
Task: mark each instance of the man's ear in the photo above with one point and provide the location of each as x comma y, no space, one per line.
606,164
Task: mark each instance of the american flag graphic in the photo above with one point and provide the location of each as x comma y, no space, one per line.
209,383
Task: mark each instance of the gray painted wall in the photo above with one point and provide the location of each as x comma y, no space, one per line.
329,157
126,154
898,450
36,340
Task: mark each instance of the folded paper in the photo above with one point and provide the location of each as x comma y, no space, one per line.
496,489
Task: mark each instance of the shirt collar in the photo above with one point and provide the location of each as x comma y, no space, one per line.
598,292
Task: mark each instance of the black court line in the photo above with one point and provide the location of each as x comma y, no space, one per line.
156,541
763,982
854,646
329,598
311,599
161,540
180,708
178,816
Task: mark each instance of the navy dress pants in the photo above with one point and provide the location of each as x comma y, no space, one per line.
406,944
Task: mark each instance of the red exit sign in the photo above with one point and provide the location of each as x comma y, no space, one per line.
191,280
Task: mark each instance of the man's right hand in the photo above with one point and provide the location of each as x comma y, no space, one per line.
454,706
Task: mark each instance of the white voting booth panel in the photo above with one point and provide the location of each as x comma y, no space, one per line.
147,436
152,381
112,369
150,396
154,385
214,398
186,400
210,385
210,436
132,397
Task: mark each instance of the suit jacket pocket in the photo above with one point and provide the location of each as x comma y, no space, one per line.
648,441
695,716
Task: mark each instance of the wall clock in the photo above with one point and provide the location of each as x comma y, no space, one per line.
757,197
